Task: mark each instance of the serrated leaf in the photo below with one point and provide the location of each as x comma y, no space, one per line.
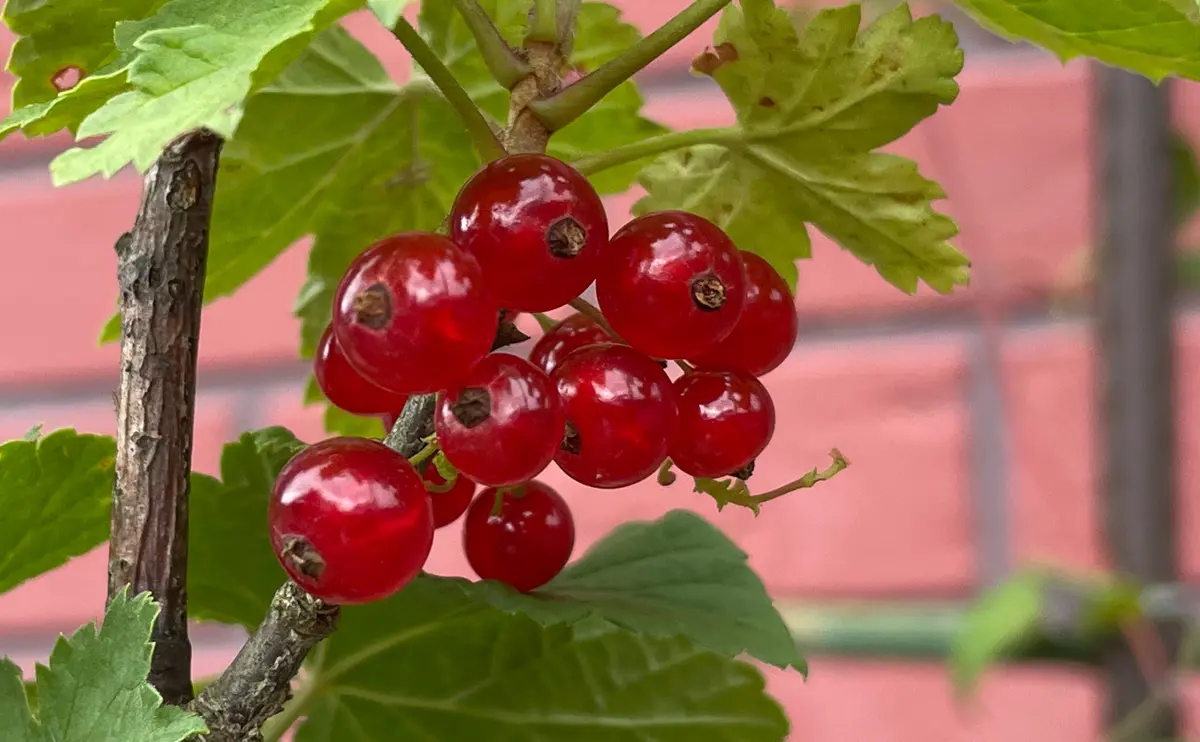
1155,38
232,571
431,663
678,575
95,689
812,107
600,36
1001,621
56,496
191,65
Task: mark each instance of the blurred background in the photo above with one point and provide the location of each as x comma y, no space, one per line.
972,420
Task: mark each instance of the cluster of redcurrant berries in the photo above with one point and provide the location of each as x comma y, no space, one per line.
416,313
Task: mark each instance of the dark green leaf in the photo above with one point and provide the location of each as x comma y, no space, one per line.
56,495
812,107
232,571
1185,178
95,688
1003,620
431,663
678,575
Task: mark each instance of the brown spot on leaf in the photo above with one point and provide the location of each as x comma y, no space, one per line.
766,102
711,59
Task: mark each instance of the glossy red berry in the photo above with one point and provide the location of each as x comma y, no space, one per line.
350,520
536,226
448,506
765,332
345,387
412,313
503,425
527,543
620,412
671,284
568,336
726,419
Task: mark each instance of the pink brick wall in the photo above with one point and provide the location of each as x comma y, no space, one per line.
883,376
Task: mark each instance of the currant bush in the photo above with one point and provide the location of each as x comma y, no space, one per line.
725,419
526,543
412,313
345,387
620,411
503,425
568,336
671,284
350,520
535,212
765,332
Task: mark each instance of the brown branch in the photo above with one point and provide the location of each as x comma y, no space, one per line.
161,266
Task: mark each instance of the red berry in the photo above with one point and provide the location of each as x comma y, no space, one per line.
504,424
345,387
536,225
412,314
448,506
671,284
350,520
620,411
527,543
766,331
726,419
389,420
573,333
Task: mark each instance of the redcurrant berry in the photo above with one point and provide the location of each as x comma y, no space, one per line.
766,331
527,543
620,412
536,225
350,520
726,419
412,314
671,284
345,387
504,424
448,506
568,336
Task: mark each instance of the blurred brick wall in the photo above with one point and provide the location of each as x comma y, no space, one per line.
901,384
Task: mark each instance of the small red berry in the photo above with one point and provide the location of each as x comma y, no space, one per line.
568,336
448,506
350,520
345,387
412,314
620,411
527,543
766,331
504,424
726,419
536,226
671,284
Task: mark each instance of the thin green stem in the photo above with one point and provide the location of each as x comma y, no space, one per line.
424,454
808,480
546,322
544,26
657,145
477,126
501,59
573,101
585,307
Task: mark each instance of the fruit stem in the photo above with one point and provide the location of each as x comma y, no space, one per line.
544,24
560,109
585,307
808,480
666,477
501,59
420,457
477,126
657,145
684,366
545,321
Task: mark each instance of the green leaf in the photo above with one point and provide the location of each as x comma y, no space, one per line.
1002,621
1185,175
95,688
33,434
600,36
678,575
191,65
56,495
232,571
388,11
1155,38
812,106
431,663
